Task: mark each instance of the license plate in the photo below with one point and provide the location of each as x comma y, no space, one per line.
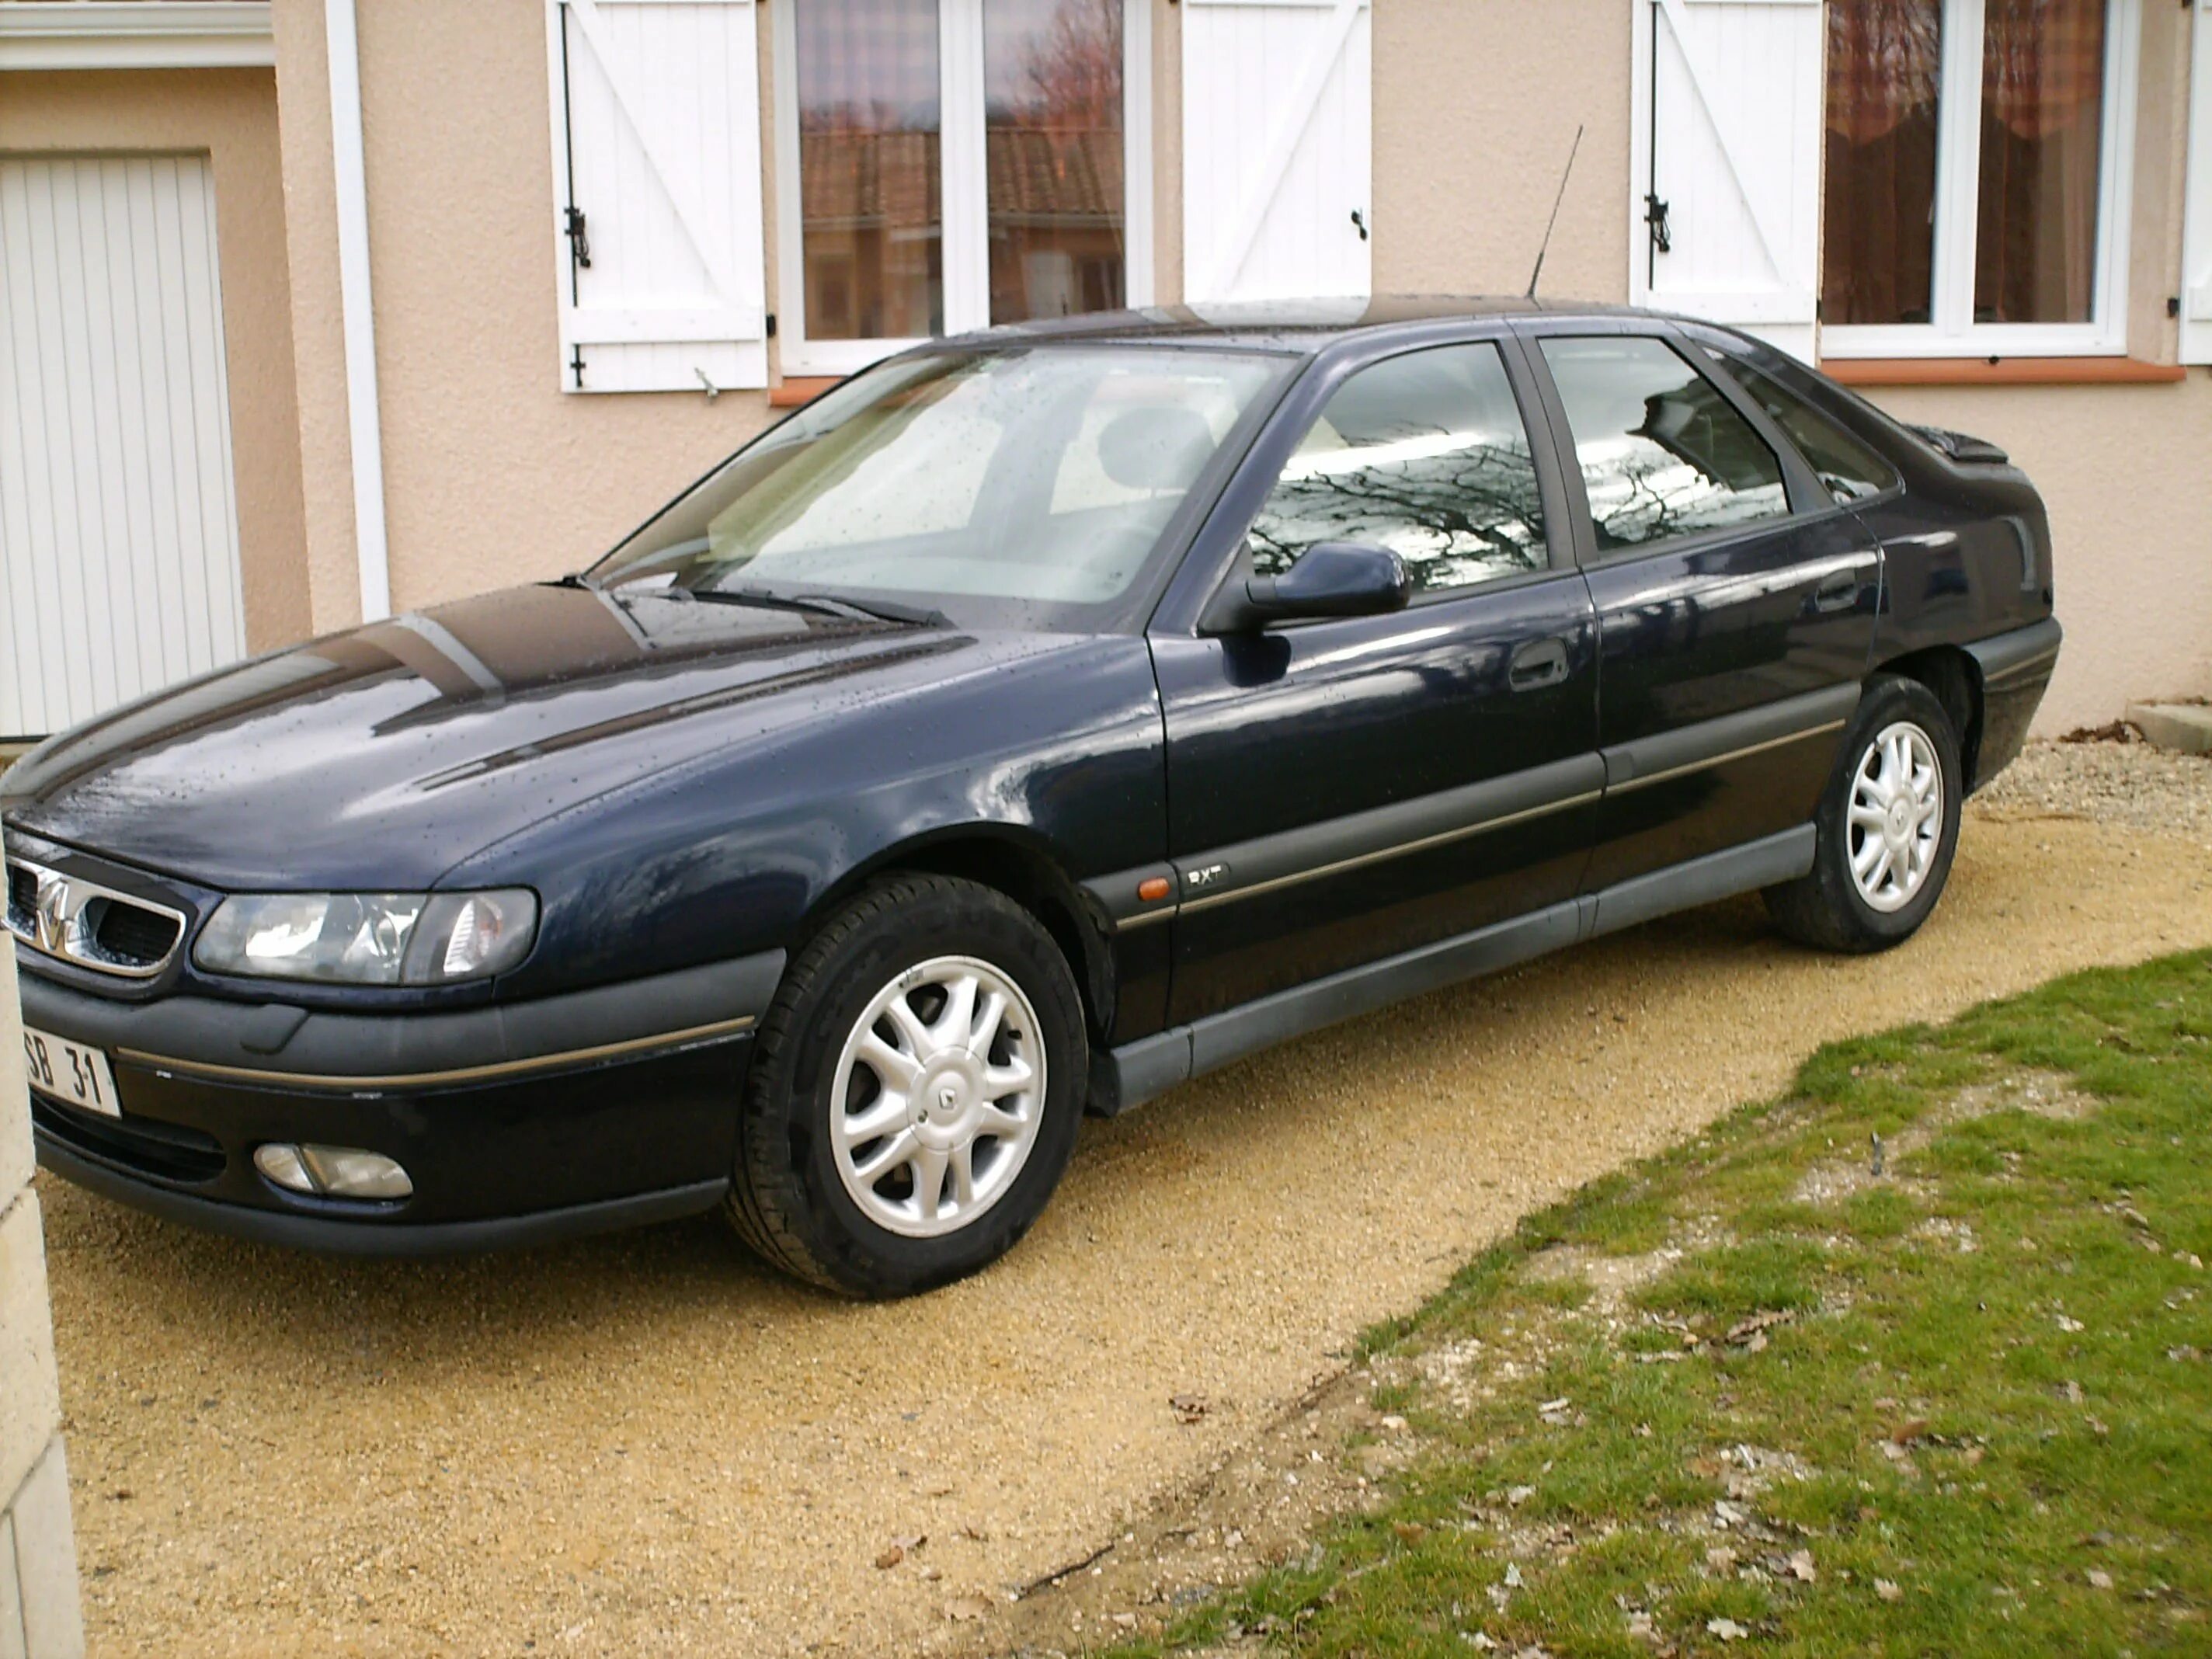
71,1072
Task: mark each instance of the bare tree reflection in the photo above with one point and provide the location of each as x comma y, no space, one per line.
1470,513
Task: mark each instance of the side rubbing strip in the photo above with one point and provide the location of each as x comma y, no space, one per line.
1642,779
2020,652
1268,862
442,1080
1709,743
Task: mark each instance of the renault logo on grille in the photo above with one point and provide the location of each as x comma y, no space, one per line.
53,912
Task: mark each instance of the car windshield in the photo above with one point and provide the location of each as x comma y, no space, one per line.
1024,487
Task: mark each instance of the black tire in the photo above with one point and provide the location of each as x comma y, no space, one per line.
787,1198
1827,908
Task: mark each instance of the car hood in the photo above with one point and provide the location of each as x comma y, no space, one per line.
382,758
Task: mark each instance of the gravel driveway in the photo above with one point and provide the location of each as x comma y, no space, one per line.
646,1444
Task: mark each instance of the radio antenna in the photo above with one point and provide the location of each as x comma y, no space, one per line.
1564,174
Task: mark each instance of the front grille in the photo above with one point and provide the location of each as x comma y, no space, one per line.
62,914
167,1151
131,936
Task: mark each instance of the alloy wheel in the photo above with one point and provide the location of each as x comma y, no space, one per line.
1896,816
937,1094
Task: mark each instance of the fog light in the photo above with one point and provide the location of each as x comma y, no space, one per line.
331,1171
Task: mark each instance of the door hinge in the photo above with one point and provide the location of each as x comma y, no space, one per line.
771,326
1655,215
576,363
579,245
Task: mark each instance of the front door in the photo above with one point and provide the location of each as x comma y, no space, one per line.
1342,791
1735,601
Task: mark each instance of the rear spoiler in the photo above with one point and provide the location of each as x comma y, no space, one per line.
1961,447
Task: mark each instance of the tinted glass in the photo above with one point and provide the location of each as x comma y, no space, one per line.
1425,454
1052,125
1851,470
871,227
1662,452
2043,118
1878,243
1006,488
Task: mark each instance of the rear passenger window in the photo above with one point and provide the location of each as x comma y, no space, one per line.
1851,470
1663,454
1425,454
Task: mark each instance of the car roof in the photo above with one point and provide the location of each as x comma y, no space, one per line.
1300,326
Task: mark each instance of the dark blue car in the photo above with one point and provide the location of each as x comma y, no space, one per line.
1035,721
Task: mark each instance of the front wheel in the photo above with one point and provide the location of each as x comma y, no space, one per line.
914,1091
1887,822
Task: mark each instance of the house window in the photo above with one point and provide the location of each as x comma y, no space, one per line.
946,165
1977,176
870,160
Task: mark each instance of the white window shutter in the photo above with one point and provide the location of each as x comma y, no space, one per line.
1728,121
656,146
2197,234
1276,141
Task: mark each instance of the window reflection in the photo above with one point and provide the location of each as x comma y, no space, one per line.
2043,110
1425,454
871,230
1850,469
1662,452
1885,63
1032,482
1052,100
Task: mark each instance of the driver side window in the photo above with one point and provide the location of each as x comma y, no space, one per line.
1425,454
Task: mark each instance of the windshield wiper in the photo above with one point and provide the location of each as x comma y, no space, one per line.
823,604
575,578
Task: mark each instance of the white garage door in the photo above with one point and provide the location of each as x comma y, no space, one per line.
118,524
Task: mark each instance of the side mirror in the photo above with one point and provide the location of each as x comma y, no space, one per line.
1330,579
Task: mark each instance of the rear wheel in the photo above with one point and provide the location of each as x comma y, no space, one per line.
914,1091
1887,822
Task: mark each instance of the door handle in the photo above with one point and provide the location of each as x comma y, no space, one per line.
1839,592
1537,664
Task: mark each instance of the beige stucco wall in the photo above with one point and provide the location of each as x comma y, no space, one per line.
231,115
310,245
1471,132
2127,474
493,475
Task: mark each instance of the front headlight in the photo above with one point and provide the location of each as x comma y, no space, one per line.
369,939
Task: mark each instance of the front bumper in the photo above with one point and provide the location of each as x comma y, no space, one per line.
516,1123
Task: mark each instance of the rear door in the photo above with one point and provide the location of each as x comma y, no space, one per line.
1345,790
1736,597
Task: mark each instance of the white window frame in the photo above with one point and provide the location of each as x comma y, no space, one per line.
966,258
1953,333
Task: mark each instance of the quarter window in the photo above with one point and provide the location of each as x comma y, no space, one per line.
1663,454
1425,454
1849,468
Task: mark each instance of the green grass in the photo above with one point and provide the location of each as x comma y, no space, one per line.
1976,1391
